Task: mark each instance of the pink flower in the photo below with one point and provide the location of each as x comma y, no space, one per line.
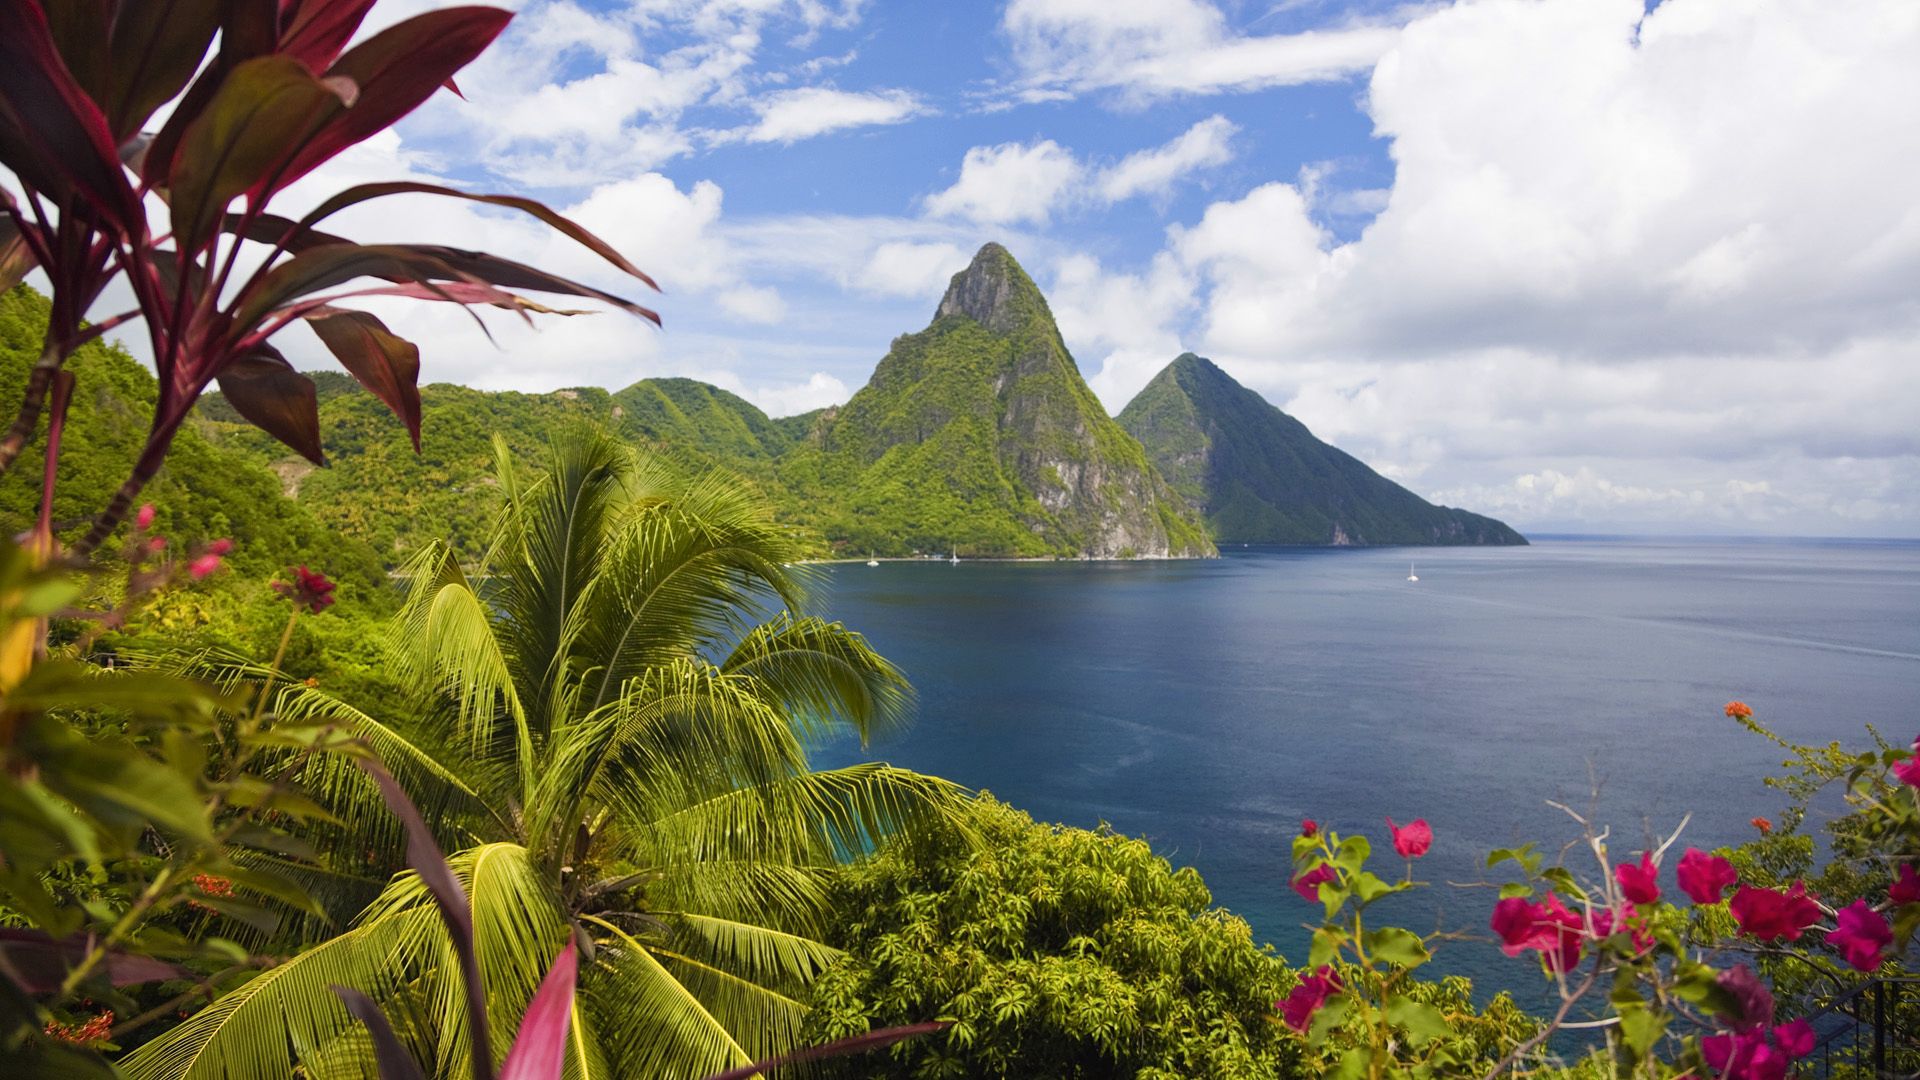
1298,1007
1908,771
1704,877
1308,884
1639,884
157,545
1795,1039
144,519
1906,886
1413,840
1771,915
1755,1001
309,588
1746,1056
204,565
1546,927
220,546
1309,827
1862,935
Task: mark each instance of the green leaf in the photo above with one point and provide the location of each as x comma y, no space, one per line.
1368,887
1562,879
1352,854
1395,945
1640,1028
1515,888
1422,1023
1325,949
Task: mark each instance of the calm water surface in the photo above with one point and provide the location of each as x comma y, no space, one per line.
1210,706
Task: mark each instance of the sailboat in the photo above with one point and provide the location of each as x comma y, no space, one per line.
1411,576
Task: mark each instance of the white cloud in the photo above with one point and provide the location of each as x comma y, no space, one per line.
900,268
1144,49
1155,171
790,399
1008,183
791,115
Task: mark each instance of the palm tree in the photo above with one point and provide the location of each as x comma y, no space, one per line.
622,696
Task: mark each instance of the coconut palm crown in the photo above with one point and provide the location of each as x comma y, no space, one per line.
623,695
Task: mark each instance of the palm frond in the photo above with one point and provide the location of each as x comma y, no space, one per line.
823,674
648,1021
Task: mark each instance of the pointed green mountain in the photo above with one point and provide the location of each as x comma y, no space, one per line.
1260,476
978,433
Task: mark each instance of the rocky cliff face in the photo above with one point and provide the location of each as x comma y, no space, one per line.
1260,476
978,433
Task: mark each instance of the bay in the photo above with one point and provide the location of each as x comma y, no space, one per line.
1210,706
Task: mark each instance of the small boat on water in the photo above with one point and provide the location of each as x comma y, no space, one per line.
1411,576
873,562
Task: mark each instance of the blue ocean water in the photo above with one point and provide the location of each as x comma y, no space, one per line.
1209,706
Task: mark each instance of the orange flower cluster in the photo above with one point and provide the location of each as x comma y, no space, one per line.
1739,710
1762,824
212,885
94,1030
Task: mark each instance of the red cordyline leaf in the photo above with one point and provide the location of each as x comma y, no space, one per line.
51,134
389,1056
41,963
263,387
156,47
248,28
396,70
540,1050
383,362
314,31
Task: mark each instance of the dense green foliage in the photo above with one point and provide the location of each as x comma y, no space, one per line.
1059,953
1261,477
610,732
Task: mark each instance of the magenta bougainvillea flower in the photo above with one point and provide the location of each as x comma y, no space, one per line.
1906,886
1547,927
1309,827
1308,884
1640,884
1705,877
1298,1007
1754,1000
1772,915
309,589
1746,1055
1861,936
144,519
1908,771
1412,840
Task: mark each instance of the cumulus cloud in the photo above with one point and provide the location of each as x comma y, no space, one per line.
1011,182
1171,47
1627,242
1155,171
791,115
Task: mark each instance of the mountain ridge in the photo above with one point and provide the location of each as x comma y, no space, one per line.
1260,476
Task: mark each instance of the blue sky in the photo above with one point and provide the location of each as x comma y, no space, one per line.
1572,262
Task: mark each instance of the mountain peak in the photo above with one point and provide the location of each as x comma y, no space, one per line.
993,291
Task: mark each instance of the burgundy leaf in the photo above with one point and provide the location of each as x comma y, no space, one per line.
262,387
51,134
274,230
396,70
540,1050
248,28
363,192
265,111
858,1044
383,362
423,854
328,265
16,258
513,275
81,31
156,47
392,1058
314,31
42,962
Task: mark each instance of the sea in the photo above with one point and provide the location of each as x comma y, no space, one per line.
1210,706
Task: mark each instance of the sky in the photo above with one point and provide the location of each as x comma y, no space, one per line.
1585,265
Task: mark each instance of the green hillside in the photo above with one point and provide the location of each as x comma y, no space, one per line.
1261,477
979,434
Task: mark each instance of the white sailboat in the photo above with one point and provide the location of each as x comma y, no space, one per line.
1411,576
